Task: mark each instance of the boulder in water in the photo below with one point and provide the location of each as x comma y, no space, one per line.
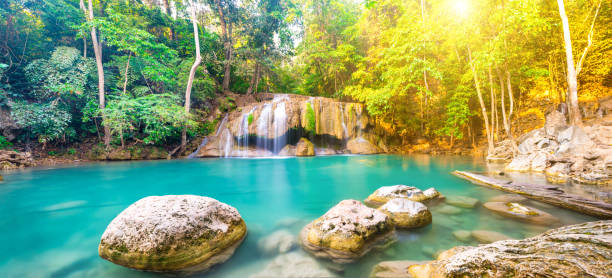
407,214
347,231
484,236
304,148
294,265
361,146
383,194
173,233
521,212
288,150
446,209
582,250
393,269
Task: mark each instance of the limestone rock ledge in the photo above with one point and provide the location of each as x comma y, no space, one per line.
582,250
173,233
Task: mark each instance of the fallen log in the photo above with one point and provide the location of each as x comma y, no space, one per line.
549,194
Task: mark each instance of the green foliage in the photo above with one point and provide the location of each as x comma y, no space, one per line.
64,74
71,151
154,119
311,121
4,143
250,119
52,153
44,122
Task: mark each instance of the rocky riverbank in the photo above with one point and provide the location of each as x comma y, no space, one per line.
562,152
582,250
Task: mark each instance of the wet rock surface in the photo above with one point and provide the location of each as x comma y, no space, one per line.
281,241
173,233
386,193
484,236
346,232
582,250
304,148
362,146
521,212
407,214
462,201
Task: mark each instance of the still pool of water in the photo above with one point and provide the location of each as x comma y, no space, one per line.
52,219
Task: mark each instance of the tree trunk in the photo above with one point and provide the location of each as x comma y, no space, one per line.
127,66
589,41
253,78
192,72
493,120
227,45
482,104
100,69
511,98
572,82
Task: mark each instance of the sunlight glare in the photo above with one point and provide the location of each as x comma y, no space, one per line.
461,7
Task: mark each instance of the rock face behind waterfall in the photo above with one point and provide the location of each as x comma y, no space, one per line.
582,250
278,120
173,233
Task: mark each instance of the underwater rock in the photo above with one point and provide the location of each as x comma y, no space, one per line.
383,194
304,148
407,214
508,198
431,193
294,265
393,269
347,231
582,250
361,146
462,235
446,209
461,201
281,241
521,212
173,233
484,236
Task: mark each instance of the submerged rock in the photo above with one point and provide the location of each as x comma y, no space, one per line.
462,235
281,241
294,265
508,198
383,194
304,148
346,232
407,214
521,212
361,146
173,233
393,269
582,250
462,201
484,236
446,209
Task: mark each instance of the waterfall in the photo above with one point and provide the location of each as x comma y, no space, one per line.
227,143
205,140
243,133
344,129
279,126
263,126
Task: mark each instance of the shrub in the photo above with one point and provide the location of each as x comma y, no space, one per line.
44,122
4,143
250,119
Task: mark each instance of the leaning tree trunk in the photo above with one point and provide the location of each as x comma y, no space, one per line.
482,104
192,72
572,82
227,37
100,68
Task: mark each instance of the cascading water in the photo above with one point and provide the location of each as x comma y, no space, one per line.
205,140
280,126
243,133
263,127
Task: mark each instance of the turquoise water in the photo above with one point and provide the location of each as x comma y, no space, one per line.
52,219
